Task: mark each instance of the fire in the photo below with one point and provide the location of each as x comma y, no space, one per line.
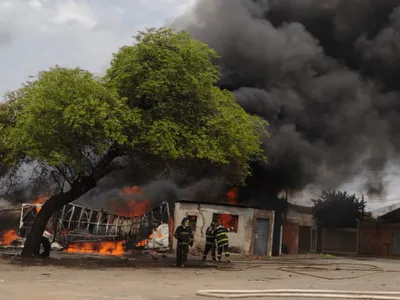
103,248
9,237
132,190
228,220
40,200
134,208
232,196
143,243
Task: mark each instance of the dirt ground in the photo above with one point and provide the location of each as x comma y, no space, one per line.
74,276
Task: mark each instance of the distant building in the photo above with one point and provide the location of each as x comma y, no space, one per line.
253,228
381,237
386,211
298,230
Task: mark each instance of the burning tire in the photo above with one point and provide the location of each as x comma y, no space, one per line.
45,243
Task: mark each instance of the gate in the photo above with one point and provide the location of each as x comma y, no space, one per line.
340,241
396,243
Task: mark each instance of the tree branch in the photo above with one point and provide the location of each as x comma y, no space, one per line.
71,172
58,182
64,175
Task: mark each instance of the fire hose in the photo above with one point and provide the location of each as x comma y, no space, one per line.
330,294
293,267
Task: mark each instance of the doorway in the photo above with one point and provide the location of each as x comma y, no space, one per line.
261,237
304,239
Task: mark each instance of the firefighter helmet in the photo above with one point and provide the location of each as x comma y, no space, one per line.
185,221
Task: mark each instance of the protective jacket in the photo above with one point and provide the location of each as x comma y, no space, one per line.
184,235
221,236
210,238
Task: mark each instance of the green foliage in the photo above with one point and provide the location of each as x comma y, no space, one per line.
166,68
5,127
171,78
337,209
67,116
158,99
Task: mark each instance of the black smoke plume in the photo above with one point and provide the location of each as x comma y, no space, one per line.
153,184
324,73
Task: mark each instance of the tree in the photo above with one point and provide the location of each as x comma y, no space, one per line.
171,78
157,101
70,125
337,209
9,162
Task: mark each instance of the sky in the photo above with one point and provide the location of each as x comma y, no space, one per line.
38,34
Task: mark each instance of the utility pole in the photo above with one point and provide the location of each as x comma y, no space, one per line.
362,207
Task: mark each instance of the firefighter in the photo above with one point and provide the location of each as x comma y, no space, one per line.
220,233
210,242
184,236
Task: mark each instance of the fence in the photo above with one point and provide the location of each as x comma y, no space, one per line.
340,241
380,239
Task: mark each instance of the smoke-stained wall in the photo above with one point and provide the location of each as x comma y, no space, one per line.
241,241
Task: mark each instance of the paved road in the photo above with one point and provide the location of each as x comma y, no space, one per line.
144,278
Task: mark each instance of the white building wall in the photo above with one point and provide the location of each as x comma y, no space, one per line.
240,242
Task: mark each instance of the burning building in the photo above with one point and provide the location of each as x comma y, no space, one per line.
252,228
134,222
79,229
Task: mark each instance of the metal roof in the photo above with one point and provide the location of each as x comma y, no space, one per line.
381,212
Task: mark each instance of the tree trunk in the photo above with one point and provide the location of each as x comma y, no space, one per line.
56,202
32,243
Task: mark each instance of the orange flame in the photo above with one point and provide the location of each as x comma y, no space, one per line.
143,243
232,196
40,200
228,221
132,190
103,248
134,208
9,237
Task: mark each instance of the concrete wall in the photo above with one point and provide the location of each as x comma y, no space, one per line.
241,241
